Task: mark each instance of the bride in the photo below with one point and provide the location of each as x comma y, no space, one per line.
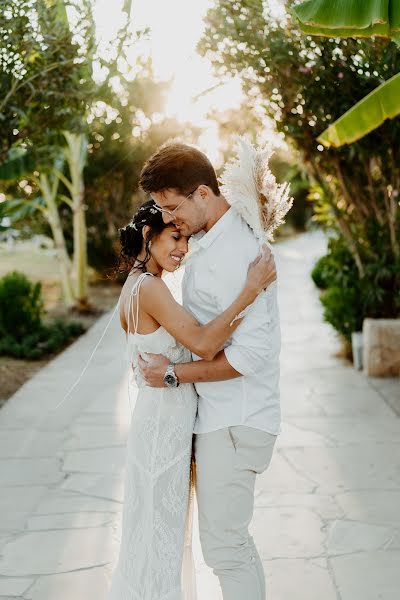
159,447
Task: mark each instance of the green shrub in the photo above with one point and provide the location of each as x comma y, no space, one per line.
21,306
348,298
343,309
22,332
335,268
46,340
319,273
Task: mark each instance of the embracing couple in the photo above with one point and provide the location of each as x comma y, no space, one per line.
208,379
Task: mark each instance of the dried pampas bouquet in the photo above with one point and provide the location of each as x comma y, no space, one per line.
250,187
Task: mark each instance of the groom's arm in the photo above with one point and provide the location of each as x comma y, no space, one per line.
218,369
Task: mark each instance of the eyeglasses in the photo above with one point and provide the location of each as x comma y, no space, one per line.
171,213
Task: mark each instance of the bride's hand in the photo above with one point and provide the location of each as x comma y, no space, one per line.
262,271
153,369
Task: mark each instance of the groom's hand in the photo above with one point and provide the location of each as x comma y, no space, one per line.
153,369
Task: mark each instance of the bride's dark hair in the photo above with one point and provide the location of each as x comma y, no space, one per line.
131,237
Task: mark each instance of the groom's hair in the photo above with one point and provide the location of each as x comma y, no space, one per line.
180,167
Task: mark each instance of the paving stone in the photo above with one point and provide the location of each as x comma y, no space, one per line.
14,586
345,537
67,502
345,430
30,444
17,503
362,401
60,551
289,532
325,506
28,472
345,468
69,521
102,486
378,506
95,437
99,460
299,580
110,399
389,389
292,435
281,476
79,585
5,537
394,544
368,576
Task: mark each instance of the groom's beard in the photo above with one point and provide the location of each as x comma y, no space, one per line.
187,230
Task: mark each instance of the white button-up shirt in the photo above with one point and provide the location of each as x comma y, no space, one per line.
215,274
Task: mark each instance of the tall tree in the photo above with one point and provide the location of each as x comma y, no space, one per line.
306,83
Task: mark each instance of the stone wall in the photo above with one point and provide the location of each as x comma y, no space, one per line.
381,347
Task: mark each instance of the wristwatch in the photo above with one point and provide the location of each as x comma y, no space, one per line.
170,378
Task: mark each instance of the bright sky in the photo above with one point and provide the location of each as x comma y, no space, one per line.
175,28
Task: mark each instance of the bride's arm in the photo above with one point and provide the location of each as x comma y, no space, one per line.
204,340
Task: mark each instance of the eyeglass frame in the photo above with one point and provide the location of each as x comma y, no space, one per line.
172,212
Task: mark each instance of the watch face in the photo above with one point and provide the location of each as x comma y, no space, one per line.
170,380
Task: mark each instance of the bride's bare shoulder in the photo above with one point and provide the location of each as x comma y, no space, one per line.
151,289
125,297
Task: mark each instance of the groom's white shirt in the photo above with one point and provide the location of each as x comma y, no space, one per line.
215,274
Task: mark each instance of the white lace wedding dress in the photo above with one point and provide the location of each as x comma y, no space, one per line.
156,510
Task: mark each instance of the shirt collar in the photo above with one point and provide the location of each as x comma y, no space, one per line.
204,240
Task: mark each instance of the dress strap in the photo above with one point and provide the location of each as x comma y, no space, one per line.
135,292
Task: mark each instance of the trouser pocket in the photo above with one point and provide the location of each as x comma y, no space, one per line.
232,438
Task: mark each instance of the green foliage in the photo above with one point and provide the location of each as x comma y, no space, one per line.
305,83
335,268
21,306
285,169
45,340
320,273
342,310
22,332
347,298
45,78
349,18
366,115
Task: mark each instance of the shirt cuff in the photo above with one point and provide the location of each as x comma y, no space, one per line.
238,361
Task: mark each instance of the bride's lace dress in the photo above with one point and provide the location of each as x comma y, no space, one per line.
156,500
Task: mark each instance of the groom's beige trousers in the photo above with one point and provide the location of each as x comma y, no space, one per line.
227,462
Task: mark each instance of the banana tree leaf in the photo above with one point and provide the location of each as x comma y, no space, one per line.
349,18
365,116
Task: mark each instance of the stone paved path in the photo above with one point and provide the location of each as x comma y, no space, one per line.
327,517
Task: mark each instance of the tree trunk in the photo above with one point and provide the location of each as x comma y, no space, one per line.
49,194
76,157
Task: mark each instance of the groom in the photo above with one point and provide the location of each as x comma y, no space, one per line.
238,414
